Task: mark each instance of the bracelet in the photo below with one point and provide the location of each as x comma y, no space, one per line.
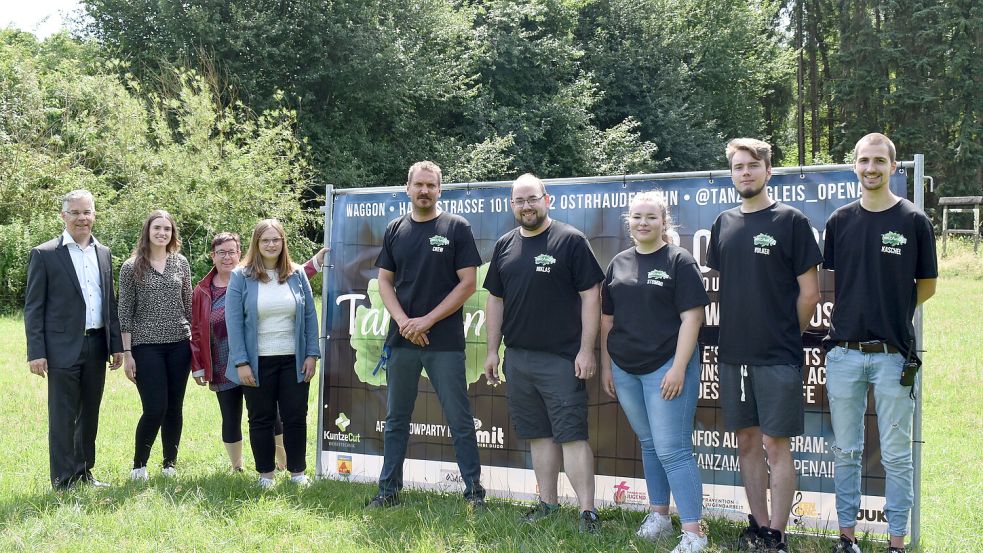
125,350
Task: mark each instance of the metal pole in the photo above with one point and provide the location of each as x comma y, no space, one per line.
916,446
328,208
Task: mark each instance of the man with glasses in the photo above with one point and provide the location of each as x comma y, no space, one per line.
427,270
544,297
72,328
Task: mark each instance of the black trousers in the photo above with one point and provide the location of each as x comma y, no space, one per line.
278,386
74,396
230,405
162,378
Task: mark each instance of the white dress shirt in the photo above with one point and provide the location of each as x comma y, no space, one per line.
87,270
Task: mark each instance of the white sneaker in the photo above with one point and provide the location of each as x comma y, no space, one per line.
301,480
690,543
168,472
655,527
139,474
265,483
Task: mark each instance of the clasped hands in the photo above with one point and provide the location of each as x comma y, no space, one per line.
415,330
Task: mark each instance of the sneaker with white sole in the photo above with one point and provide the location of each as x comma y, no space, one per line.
846,545
139,475
265,483
690,542
655,527
168,472
300,480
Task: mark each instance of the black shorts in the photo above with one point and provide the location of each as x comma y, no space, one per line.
768,396
545,397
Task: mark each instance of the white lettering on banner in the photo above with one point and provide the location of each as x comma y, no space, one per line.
366,209
701,240
716,461
351,298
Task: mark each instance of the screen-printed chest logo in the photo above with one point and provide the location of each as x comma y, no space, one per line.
892,242
657,277
544,262
763,243
438,242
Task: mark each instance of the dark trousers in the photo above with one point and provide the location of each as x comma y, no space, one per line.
162,378
278,387
74,395
447,376
230,405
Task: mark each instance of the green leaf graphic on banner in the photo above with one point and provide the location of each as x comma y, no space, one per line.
372,325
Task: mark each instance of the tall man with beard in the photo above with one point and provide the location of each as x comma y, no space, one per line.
427,270
766,255
882,250
72,329
544,285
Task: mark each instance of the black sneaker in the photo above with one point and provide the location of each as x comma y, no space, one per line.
538,511
382,502
477,504
895,550
749,538
771,540
589,522
846,545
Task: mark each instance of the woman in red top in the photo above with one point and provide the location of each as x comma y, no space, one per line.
210,347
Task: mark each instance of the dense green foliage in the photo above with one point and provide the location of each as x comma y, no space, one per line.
225,111
67,121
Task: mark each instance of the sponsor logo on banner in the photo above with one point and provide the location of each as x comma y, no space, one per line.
343,439
801,509
451,478
344,465
871,515
722,504
623,494
493,438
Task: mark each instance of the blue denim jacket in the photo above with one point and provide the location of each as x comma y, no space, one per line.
241,321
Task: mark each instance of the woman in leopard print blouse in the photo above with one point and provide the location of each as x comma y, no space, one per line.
155,319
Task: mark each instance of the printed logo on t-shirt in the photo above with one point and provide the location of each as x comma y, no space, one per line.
763,242
543,262
657,277
892,242
438,242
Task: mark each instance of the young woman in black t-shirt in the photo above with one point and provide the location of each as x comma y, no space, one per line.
652,309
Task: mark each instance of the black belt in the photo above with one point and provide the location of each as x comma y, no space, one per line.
873,346
94,331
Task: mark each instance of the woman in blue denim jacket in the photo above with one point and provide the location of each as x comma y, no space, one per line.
273,344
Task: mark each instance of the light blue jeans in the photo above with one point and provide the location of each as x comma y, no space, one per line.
665,431
848,375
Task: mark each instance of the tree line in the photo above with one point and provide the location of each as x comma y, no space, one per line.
217,109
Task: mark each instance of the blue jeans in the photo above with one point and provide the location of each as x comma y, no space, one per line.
447,376
848,374
665,431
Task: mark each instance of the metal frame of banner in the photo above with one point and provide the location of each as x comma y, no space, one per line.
918,186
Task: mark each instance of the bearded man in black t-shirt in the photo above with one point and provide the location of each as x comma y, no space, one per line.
882,250
767,255
544,296
427,270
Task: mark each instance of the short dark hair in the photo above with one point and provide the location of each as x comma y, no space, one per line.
224,237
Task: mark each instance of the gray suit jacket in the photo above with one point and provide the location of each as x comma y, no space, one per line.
54,311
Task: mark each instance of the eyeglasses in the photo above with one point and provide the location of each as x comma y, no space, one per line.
270,241
226,253
520,202
76,214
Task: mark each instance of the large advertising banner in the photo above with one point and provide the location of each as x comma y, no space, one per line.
353,406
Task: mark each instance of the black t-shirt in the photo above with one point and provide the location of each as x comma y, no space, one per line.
425,258
646,293
540,279
759,256
877,256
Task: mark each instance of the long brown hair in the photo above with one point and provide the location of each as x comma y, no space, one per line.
141,253
253,262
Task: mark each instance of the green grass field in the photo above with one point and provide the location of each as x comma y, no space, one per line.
208,509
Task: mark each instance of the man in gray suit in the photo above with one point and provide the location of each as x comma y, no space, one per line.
72,327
